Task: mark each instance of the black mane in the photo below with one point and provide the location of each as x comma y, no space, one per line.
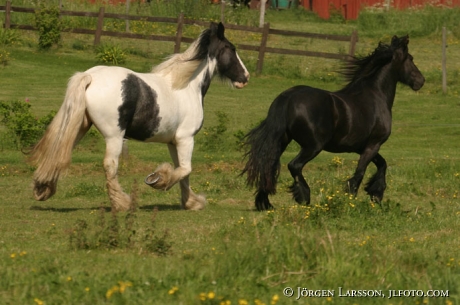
358,69
202,50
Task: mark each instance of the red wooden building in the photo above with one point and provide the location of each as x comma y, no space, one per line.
350,8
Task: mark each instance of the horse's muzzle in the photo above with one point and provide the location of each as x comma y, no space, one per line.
241,85
418,83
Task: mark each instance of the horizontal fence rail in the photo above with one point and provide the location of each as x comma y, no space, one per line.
265,31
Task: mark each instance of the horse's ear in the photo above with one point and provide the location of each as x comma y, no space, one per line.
220,31
394,41
405,39
213,28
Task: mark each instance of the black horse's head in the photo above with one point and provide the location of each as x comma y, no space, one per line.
404,65
229,64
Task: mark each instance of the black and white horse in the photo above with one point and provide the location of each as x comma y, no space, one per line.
163,106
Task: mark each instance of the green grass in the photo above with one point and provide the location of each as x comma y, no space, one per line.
229,252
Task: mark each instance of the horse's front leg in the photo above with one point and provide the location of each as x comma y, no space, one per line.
368,154
377,184
189,200
165,176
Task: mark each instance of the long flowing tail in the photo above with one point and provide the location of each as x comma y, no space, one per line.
52,153
264,145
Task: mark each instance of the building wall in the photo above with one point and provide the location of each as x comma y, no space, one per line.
350,8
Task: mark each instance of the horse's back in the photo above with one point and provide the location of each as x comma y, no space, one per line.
120,100
309,113
304,102
142,105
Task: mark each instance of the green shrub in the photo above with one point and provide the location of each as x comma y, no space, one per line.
79,45
4,57
214,136
8,37
21,124
49,27
110,55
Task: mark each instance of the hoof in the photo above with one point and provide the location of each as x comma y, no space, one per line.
160,179
121,203
195,203
43,191
152,179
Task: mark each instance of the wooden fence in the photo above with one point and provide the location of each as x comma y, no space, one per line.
179,38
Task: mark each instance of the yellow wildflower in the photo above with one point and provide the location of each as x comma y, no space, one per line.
211,295
173,290
38,301
124,285
111,291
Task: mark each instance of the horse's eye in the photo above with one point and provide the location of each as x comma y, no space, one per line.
227,46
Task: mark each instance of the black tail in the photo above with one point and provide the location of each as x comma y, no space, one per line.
264,145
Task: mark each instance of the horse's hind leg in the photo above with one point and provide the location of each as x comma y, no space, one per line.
300,189
262,201
377,184
84,127
119,200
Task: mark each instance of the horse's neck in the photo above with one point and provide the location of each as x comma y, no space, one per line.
386,83
201,79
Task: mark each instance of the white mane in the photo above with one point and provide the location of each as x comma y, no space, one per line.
179,67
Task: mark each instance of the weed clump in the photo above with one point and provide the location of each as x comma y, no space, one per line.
119,232
112,55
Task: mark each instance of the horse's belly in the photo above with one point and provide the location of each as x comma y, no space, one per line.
348,143
161,138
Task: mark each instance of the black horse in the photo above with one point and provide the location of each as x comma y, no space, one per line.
356,119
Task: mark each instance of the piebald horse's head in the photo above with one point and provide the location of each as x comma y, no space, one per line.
229,64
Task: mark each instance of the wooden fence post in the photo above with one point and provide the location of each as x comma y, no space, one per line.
222,11
100,24
353,40
263,45
180,25
262,13
127,13
444,64
125,150
8,15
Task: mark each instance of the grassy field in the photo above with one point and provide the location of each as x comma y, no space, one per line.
72,250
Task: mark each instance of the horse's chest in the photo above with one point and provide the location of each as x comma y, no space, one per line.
354,134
